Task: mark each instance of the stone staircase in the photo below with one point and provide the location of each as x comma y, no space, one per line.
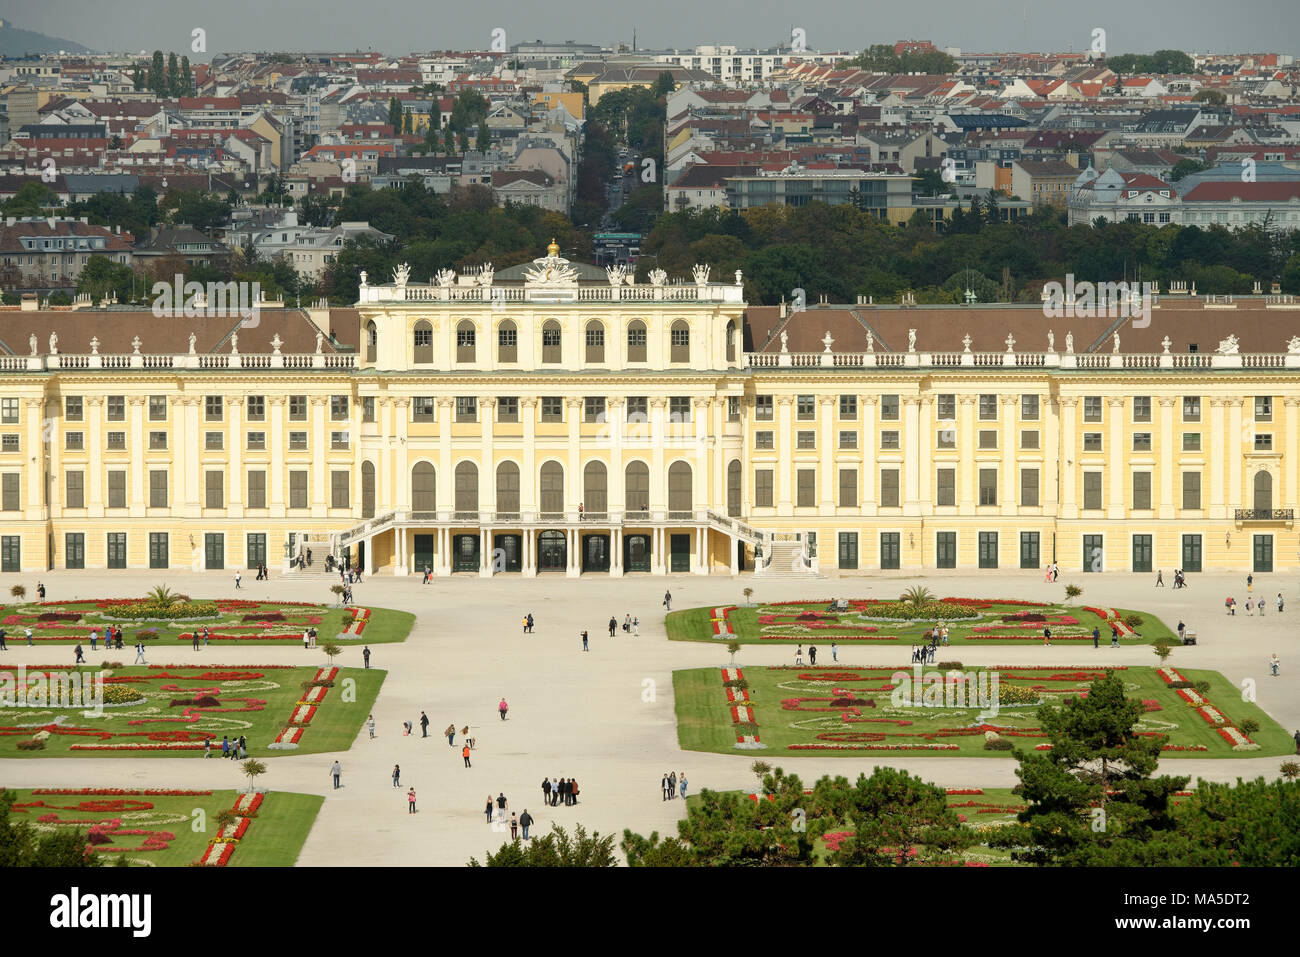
785,560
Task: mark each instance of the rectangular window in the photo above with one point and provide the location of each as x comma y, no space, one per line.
1141,441
988,487
74,441
945,549
806,407
157,488
763,408
214,487
762,488
946,437
806,487
1263,441
848,488
946,487
1191,441
889,408
1263,408
763,440
11,496
1092,490
297,441
1191,408
340,441
552,409
806,439
593,409
1092,441
889,550
298,489
988,549
339,488
889,488
988,438
508,409
466,408
638,408
212,408
257,488
74,408
848,407
117,488
257,441
297,408
116,441
1141,408
679,408
889,439
848,440
988,407
117,408
339,408
157,549
422,408
1029,408
76,485
1191,490
368,408
1141,490
257,408
946,407
1029,550
157,408
1029,488
214,441
9,411
9,442
733,408
1092,408
1029,438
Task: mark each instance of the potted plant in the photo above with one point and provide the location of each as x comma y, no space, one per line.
252,769
732,648
749,596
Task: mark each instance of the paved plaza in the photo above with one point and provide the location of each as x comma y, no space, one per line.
606,717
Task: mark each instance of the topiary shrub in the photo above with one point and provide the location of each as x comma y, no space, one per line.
998,744
1133,620
949,666
32,745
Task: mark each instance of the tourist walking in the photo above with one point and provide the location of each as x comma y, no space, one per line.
503,708
530,623
1279,603
487,809
80,657
336,770
514,827
370,724
464,753
584,641
525,822
225,746
139,653
835,652
365,655
424,727
546,790
636,627
3,646
1047,637
798,655
1249,607
27,633
410,801
555,792
663,786
627,622
449,731
397,775
523,623
1114,635
1250,584
672,785
238,579
668,601
1096,636
1160,579
1274,664
681,785
812,655
613,625
573,790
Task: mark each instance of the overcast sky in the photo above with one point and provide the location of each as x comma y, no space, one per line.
400,26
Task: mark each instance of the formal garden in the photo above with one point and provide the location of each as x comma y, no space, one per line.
171,710
165,617
944,710
911,619
171,827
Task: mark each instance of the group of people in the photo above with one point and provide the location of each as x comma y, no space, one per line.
497,808
112,638
1180,581
309,638
1252,605
564,791
263,573
528,624
235,750
199,637
923,654
671,784
1052,572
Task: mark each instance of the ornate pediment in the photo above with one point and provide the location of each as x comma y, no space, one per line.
551,270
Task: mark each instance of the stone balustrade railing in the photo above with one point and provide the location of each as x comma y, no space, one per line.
1021,360
584,292
207,360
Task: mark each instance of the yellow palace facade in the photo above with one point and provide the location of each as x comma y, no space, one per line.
553,419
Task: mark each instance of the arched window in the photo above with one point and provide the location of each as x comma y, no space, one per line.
424,488
465,342
467,487
507,487
595,342
731,340
594,488
733,488
636,339
507,341
1263,492
636,487
422,337
372,341
679,341
552,482
679,487
367,489
551,341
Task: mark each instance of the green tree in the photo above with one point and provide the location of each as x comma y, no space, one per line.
1213,97
1249,825
254,769
395,114
483,141
898,820
173,76
102,278
21,845
187,77
556,849
158,74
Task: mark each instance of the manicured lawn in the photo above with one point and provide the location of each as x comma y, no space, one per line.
275,834
180,706
236,622
989,622
840,710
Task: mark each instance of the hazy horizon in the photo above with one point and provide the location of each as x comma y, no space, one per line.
403,26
